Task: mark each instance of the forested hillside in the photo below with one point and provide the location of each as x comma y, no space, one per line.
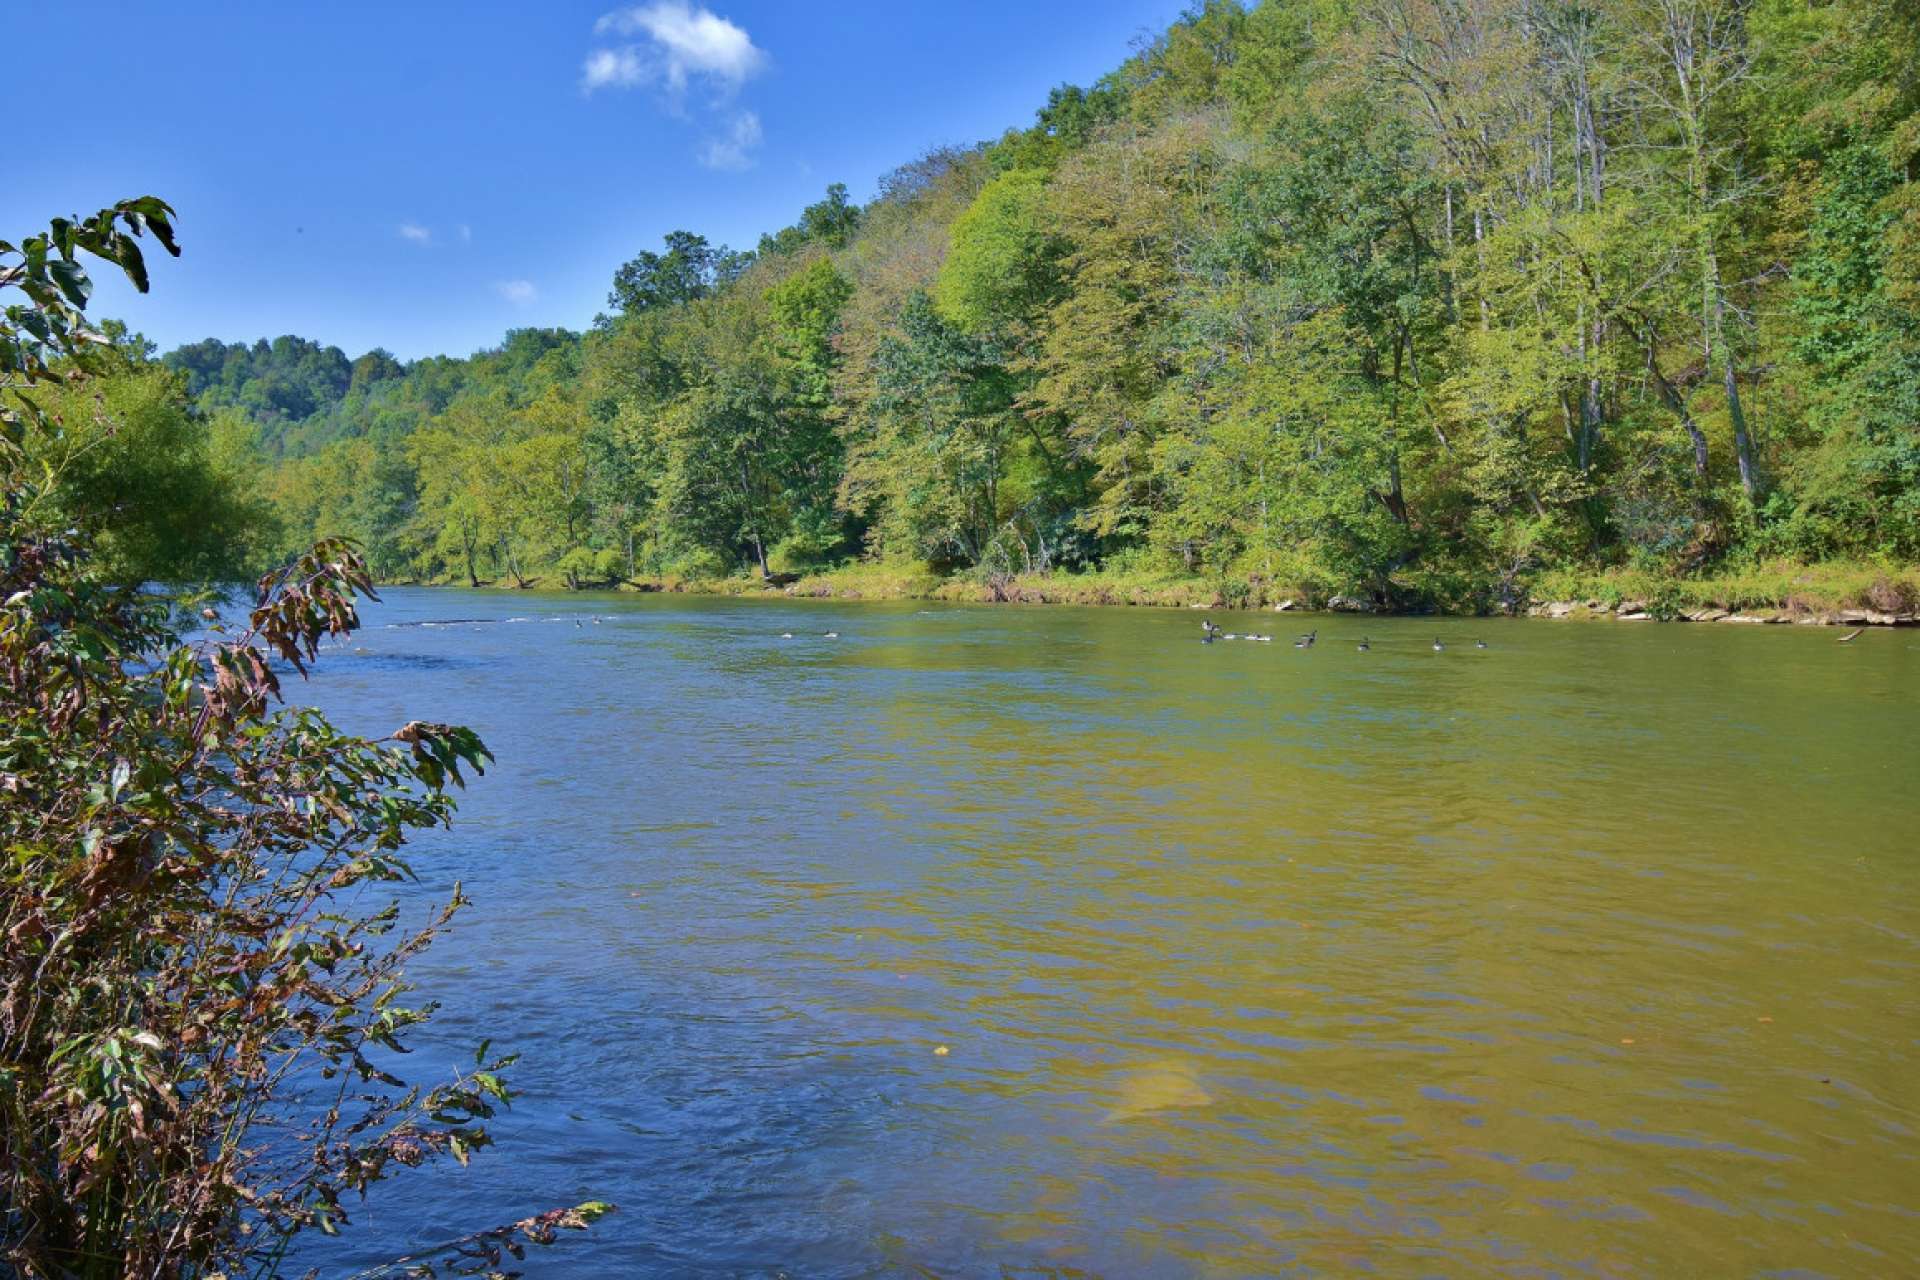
1411,299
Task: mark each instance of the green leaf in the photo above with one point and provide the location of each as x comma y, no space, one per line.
133,263
34,322
72,279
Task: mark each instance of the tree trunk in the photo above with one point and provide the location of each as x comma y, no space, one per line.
1595,339
512,564
753,522
1742,439
1698,48
1676,402
1394,498
1480,269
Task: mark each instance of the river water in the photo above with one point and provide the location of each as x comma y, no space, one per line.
1045,941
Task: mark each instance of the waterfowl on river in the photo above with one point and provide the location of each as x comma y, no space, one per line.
1437,646
831,635
786,635
1364,646
1306,641
1479,644
1208,631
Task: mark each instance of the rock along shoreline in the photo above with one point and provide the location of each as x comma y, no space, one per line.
1640,611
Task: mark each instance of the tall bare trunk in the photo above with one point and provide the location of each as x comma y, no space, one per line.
1706,49
1742,439
1672,398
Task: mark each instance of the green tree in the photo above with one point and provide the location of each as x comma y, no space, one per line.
1003,261
934,476
689,269
131,466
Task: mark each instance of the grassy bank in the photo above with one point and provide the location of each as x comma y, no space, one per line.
1837,592
898,581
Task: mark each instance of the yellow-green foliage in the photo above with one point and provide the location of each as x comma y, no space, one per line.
997,267
163,497
1361,297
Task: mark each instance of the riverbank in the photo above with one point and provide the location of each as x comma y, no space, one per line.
1843,594
1840,594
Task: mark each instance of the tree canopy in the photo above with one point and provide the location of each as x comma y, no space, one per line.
1415,300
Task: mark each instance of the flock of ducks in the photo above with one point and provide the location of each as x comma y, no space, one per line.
1209,632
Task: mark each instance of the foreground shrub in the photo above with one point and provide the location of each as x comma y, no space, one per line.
199,1010
192,1016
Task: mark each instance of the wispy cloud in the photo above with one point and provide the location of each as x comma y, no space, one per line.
466,234
674,48
680,44
416,233
734,150
518,292
619,68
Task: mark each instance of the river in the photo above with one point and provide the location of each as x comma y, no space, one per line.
1044,941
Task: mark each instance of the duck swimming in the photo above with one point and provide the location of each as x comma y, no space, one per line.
1437,646
1479,644
1306,641
1364,646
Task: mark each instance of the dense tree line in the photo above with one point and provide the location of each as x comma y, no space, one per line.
1412,298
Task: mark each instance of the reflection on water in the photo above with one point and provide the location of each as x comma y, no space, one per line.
1591,953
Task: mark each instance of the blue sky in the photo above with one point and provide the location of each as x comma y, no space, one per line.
425,176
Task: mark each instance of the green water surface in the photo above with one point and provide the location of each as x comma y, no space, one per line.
1595,952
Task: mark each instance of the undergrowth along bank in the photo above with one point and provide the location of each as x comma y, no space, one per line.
1834,593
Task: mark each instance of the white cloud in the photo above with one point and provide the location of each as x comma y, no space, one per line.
518,292
734,151
416,233
620,68
683,44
